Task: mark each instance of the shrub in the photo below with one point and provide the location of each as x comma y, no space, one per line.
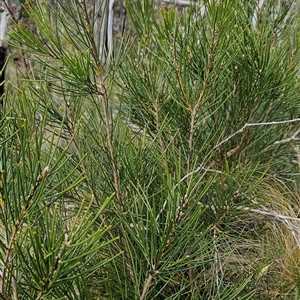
166,165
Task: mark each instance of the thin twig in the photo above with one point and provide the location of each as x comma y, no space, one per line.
146,286
274,214
286,220
233,135
18,224
290,139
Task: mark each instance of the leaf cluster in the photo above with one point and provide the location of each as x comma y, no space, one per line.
159,161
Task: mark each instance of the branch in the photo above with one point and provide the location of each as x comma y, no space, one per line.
288,140
17,225
286,220
102,93
233,135
200,99
146,286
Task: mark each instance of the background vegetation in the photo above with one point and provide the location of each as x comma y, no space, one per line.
167,171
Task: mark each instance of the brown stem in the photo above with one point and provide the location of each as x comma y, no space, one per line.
199,101
101,91
192,128
18,223
179,76
146,286
72,132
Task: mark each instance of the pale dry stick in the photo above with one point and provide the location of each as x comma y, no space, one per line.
290,139
233,135
295,230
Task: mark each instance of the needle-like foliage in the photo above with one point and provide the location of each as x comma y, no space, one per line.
155,174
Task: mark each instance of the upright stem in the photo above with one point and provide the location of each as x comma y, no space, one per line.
18,223
146,286
101,91
198,103
192,129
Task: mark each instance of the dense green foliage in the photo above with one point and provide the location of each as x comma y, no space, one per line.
161,174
